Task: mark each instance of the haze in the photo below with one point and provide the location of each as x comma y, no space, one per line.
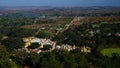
59,3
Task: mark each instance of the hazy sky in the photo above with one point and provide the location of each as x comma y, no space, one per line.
60,3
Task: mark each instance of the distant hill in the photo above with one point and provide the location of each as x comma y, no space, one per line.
46,10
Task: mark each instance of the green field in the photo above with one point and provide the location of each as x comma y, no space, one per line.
110,51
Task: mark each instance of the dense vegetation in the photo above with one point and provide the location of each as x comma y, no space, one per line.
12,43
34,45
80,36
15,20
44,35
5,61
99,32
17,32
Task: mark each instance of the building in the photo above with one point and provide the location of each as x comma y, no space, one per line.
65,47
28,41
86,49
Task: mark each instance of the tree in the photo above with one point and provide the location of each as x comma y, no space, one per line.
13,43
47,60
47,47
5,61
17,32
34,45
1,36
44,35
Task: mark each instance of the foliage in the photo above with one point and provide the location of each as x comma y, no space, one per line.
17,32
1,36
93,33
34,45
15,20
5,61
44,35
13,43
19,57
47,47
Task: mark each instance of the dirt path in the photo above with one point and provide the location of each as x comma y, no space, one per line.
67,26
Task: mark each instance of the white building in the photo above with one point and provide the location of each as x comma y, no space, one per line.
65,47
35,40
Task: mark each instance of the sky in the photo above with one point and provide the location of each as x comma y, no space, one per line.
60,3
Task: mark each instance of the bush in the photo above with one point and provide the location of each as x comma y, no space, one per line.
47,47
34,45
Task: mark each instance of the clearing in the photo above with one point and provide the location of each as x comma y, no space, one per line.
110,51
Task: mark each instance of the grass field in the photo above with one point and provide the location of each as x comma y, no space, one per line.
110,51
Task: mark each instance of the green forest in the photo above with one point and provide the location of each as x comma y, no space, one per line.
100,33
